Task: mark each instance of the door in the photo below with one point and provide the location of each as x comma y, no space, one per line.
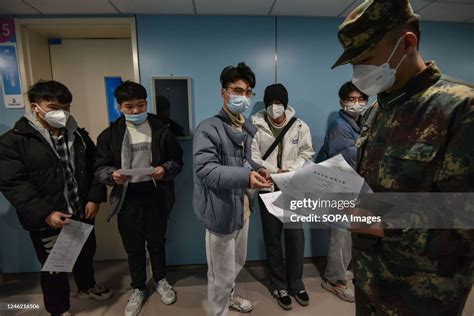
82,64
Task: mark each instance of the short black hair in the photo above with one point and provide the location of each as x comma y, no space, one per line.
242,72
49,90
412,26
128,91
347,88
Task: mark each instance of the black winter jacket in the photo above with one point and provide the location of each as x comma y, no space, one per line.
31,175
165,151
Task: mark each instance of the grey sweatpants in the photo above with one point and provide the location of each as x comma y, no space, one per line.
226,256
339,255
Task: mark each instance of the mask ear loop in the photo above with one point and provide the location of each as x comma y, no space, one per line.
38,109
394,49
401,60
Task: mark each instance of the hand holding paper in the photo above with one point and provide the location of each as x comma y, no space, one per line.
67,247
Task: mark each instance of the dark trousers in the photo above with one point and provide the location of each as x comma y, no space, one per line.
55,286
289,277
143,220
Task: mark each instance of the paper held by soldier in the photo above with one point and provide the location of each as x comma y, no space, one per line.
334,175
67,247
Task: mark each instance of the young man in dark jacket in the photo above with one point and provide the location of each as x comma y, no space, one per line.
139,140
47,174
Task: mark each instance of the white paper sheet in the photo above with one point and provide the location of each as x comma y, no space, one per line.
67,247
318,178
269,199
275,205
137,171
282,180
334,175
338,162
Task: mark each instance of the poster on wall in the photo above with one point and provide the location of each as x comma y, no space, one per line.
111,83
11,83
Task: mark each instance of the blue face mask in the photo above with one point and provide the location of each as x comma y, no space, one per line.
136,118
238,103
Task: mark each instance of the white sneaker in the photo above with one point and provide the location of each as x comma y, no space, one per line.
67,313
98,293
239,304
166,291
135,302
340,289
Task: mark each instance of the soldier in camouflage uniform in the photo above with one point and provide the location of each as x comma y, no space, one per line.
416,138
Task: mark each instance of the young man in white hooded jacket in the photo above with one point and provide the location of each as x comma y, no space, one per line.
290,154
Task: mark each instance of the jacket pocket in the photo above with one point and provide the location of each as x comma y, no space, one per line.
409,167
422,152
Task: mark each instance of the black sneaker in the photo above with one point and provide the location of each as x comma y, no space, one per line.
302,298
283,299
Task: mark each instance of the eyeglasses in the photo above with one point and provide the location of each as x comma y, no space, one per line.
361,100
239,91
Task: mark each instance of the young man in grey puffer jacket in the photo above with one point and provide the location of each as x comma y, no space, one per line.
223,174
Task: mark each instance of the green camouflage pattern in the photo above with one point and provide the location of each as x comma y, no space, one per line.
365,26
419,139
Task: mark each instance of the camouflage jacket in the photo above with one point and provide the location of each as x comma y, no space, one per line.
420,139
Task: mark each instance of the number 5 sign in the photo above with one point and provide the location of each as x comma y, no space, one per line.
9,70
7,31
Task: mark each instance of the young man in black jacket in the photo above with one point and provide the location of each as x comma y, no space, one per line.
139,140
47,174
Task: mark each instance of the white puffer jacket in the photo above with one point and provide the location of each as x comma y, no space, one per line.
297,143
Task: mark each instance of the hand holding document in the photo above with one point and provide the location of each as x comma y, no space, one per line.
67,247
137,172
282,180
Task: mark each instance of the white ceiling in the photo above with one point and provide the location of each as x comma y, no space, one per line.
437,10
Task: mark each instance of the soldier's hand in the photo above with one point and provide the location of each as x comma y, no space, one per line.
119,178
258,182
374,229
57,219
357,211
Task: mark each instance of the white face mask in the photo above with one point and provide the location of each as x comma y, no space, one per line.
371,79
276,110
354,108
55,118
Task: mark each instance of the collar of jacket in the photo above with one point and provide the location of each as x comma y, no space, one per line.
350,120
420,82
234,135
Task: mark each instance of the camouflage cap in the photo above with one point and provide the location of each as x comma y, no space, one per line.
368,23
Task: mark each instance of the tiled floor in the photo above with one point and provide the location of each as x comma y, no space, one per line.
190,284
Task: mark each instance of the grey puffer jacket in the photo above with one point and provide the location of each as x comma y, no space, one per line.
222,162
